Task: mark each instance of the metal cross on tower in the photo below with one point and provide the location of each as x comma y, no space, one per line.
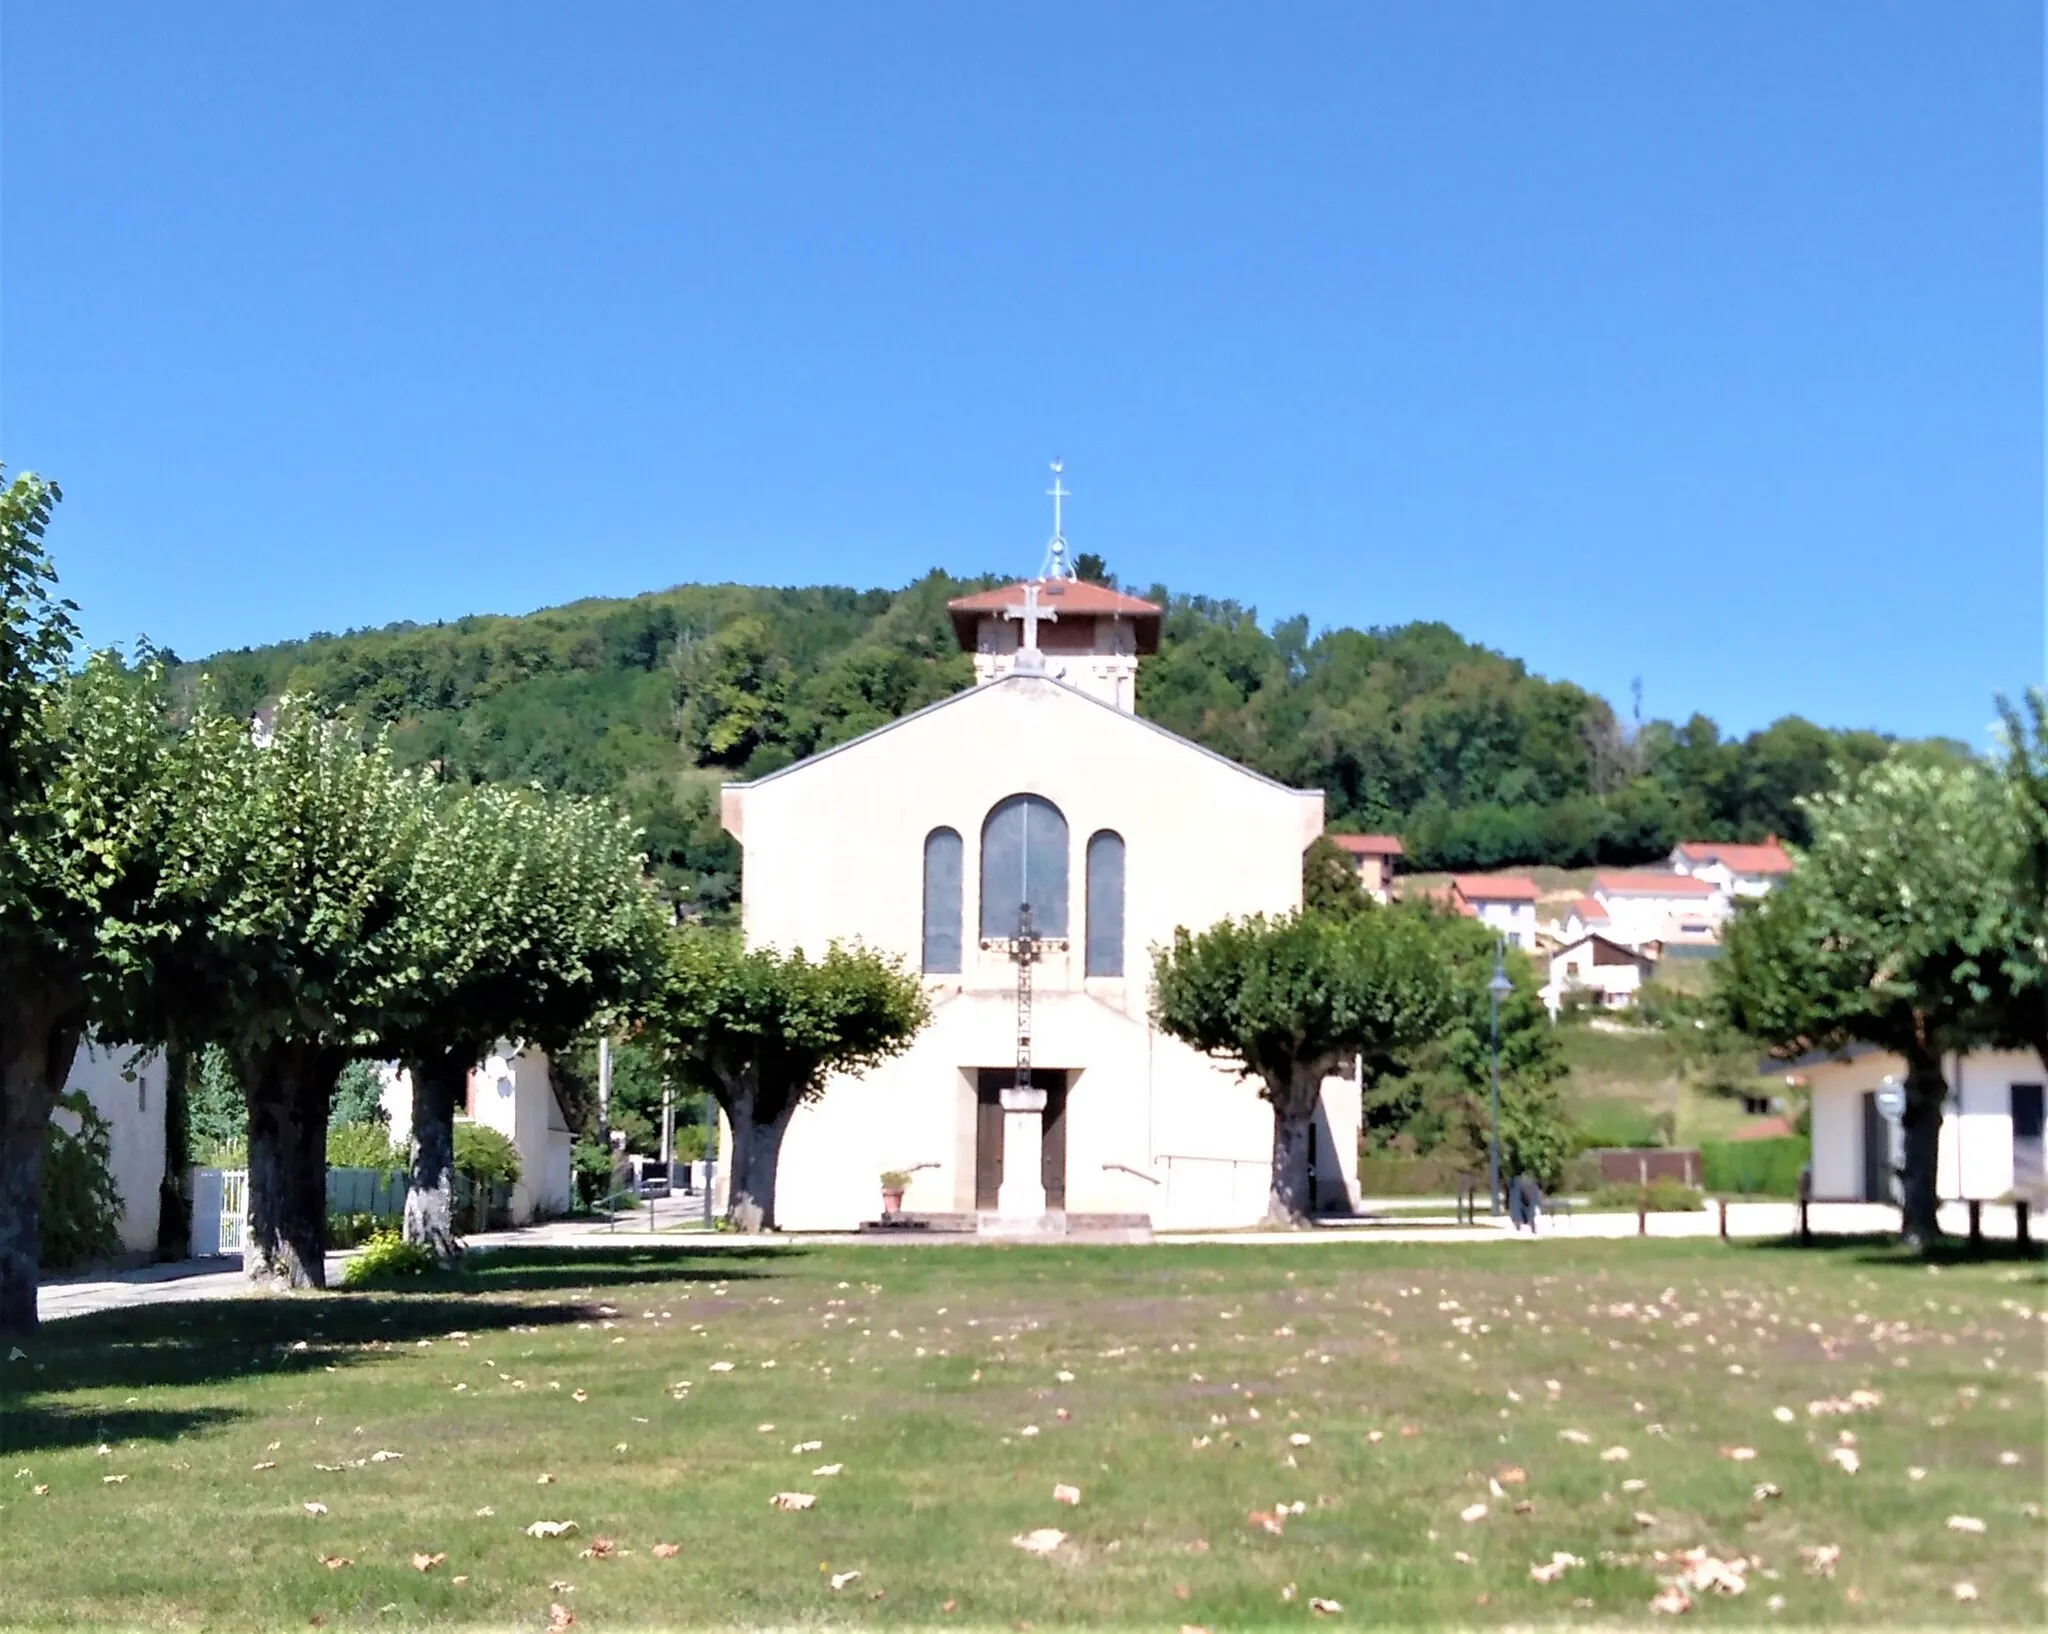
1057,566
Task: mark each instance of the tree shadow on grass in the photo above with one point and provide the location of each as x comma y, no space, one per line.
1883,1248
199,1343
543,1270
55,1426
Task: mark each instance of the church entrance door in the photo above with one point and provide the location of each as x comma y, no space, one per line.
990,1083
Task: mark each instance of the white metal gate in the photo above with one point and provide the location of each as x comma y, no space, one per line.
234,1210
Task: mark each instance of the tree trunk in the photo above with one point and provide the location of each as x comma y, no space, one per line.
1294,1112
288,1087
1926,1095
430,1202
756,1151
174,1205
38,1038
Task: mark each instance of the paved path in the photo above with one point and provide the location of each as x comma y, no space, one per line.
223,1279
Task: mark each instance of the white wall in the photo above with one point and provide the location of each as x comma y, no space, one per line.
1976,1155
127,1089
1514,920
512,1093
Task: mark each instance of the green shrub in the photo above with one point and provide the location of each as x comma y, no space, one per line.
1392,1175
364,1146
484,1157
1658,1197
347,1230
81,1207
1754,1168
593,1170
388,1257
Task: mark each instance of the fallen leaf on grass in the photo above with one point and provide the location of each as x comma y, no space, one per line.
485,1513
1041,1542
550,1529
314,1508
579,1395
1472,1512
268,1463
1324,1608
544,1480
1846,1457
1765,1489
1916,1473
1267,1521
828,1469
792,1500
42,1491
666,1551
600,1549
1821,1558
1645,1518
1672,1601
841,1579
1740,1455
561,1617
1614,1455
426,1563
1513,1475
808,1446
1577,1438
1558,1564
334,1563
1965,1591
112,1480
385,1457
1064,1494
1965,1523
1299,1440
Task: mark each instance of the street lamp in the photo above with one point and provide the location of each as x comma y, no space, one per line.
1494,989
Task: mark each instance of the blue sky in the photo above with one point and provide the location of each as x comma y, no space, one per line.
1695,343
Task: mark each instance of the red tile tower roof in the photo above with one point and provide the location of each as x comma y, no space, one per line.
1648,882
1070,598
1768,858
1368,845
1495,888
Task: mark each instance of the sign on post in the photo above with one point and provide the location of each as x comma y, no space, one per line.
1891,1099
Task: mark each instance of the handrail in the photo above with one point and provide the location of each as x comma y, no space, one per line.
1152,1179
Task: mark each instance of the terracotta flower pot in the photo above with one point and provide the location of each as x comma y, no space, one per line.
892,1202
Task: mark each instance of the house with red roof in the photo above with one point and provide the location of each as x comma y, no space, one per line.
1739,870
1645,905
1373,856
1505,902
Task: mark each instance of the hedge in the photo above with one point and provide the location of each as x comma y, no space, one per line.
1755,1168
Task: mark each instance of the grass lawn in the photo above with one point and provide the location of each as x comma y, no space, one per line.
160,1463
1616,1081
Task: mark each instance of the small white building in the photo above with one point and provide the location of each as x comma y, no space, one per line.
1610,974
1373,856
1505,903
126,1087
1990,1135
1735,870
513,1093
1646,905
1585,917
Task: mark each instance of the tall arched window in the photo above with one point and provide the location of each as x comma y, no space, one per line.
1106,904
1024,859
942,854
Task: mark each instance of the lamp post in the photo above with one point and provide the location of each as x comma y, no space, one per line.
1494,989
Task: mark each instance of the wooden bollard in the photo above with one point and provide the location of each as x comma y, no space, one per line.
1976,1222
1642,1217
1805,1225
1724,1219
2019,1220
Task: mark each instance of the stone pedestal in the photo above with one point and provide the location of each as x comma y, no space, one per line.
1020,1209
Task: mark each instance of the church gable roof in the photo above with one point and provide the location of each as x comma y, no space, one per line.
994,688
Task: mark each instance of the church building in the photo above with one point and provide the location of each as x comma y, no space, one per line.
1036,811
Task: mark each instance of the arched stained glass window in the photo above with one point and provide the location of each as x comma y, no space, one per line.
1024,859
1106,904
942,856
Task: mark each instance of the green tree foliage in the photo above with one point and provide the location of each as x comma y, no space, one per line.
1330,882
764,1032
85,775
363,1146
1462,751
2022,1000
287,865
1289,1000
81,1207
216,1114
519,916
1890,932
484,1157
358,1098
1436,1095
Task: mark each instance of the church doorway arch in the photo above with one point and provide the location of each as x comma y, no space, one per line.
1024,859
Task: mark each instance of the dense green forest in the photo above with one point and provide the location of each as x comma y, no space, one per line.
655,700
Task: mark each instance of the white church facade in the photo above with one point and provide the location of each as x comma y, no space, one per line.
1039,785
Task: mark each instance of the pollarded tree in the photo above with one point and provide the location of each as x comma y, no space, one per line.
1289,1000
764,1032
522,917
2022,1003
85,768
1890,932
285,874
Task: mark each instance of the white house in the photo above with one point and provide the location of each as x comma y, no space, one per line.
1646,905
1990,1135
1506,903
1373,856
512,1093
928,837
1585,918
1610,974
126,1087
1735,870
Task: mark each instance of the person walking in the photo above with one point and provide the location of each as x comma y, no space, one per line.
1525,1202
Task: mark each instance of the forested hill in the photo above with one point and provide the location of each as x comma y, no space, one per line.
1474,761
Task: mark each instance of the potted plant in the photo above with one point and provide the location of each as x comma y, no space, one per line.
894,1182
